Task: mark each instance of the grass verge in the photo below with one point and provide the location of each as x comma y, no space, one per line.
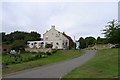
60,55
103,65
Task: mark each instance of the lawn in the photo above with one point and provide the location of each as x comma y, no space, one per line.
103,65
0,57
0,63
60,55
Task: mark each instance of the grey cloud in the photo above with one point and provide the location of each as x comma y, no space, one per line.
76,19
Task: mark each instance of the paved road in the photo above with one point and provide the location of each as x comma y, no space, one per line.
55,70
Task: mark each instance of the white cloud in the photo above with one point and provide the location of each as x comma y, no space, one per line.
76,19
60,0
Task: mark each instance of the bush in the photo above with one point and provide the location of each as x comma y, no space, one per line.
33,52
18,45
54,51
49,53
48,46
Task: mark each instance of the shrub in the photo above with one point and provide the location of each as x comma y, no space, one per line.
49,53
54,51
48,46
33,52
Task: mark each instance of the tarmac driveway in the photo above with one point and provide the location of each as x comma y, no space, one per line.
55,70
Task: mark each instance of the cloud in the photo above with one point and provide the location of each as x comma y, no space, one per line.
61,0
76,19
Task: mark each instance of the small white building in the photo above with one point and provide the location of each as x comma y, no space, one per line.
53,37
35,44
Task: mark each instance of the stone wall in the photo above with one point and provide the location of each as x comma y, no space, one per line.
38,49
103,46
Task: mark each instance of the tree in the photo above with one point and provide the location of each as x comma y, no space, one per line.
101,40
18,45
18,35
112,31
82,43
35,36
2,35
48,46
90,41
18,39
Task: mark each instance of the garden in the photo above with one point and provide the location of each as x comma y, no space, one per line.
28,60
25,56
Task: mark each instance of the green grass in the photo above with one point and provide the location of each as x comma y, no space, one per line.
0,57
103,65
7,59
0,62
60,55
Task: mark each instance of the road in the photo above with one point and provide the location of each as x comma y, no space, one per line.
55,70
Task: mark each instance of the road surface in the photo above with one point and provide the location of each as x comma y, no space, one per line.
55,70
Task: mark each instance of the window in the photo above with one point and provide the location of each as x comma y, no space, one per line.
66,43
56,47
35,43
57,35
57,43
42,43
39,44
4,49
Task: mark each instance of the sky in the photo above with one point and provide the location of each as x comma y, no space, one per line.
79,19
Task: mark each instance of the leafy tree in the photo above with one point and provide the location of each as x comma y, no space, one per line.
112,31
18,35
18,45
101,40
35,35
18,39
7,39
90,41
82,43
2,35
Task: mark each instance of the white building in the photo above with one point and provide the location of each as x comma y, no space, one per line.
57,39
35,44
